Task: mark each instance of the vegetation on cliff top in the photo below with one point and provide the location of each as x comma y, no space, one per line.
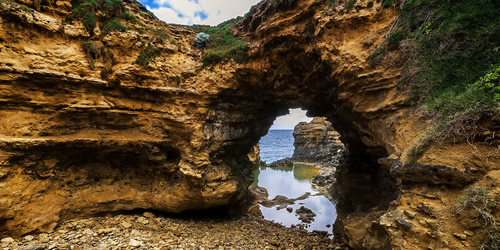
452,62
110,13
222,44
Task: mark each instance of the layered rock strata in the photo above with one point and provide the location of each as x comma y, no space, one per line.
318,143
175,136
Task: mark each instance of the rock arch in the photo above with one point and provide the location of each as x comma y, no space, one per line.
174,136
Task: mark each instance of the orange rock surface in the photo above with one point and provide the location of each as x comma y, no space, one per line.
175,136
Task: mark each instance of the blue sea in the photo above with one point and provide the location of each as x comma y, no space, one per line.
276,145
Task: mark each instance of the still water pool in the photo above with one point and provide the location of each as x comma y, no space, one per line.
295,183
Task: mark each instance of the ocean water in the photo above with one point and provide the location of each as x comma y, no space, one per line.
292,182
276,145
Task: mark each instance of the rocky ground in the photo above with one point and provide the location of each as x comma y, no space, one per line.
148,231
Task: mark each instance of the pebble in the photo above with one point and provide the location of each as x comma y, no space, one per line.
35,247
148,215
126,224
468,233
143,220
29,237
135,243
118,232
7,240
460,236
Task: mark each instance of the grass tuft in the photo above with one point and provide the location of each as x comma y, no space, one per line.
148,53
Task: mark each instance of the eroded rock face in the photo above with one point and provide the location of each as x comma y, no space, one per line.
318,143
174,136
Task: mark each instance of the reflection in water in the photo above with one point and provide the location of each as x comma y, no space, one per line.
294,183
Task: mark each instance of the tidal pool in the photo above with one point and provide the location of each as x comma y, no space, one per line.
295,183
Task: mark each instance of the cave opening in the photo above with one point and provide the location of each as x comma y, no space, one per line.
293,180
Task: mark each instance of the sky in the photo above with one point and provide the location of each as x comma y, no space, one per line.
188,12
289,121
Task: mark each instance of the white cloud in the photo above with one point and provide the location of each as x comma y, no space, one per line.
188,11
169,16
289,121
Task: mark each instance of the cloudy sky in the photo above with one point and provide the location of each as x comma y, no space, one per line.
289,121
189,12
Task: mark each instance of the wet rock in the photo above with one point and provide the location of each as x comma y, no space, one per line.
283,163
325,179
320,232
258,194
279,200
306,215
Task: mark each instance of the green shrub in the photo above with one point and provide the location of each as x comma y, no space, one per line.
238,52
91,50
25,8
450,50
350,5
395,38
174,42
387,3
369,4
223,45
86,10
105,73
147,54
375,56
128,17
89,21
161,35
111,25
331,4
112,8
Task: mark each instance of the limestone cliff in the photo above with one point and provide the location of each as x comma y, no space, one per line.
95,120
318,143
